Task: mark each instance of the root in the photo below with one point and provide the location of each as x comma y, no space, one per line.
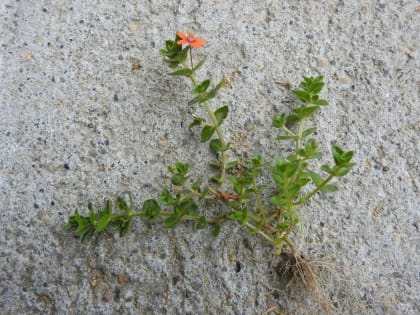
300,273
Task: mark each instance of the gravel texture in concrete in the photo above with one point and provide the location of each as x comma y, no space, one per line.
88,112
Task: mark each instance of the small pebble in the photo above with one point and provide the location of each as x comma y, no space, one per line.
107,295
133,27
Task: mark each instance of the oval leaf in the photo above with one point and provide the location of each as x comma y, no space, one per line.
207,132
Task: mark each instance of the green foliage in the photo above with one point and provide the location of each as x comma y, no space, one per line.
221,114
174,55
97,221
240,185
207,132
151,209
179,173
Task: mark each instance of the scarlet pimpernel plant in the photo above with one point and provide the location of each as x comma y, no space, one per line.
269,209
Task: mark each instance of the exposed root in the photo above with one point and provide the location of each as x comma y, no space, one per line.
298,273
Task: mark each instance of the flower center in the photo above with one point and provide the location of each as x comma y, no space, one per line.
190,37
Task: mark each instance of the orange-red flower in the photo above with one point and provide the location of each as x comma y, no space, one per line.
190,40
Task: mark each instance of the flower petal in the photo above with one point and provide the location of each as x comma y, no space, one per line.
182,35
197,42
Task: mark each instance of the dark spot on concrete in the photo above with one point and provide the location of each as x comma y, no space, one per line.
196,285
67,166
117,294
238,266
176,279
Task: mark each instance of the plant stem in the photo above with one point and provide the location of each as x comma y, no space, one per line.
267,237
219,132
168,214
299,137
291,245
309,196
192,66
260,206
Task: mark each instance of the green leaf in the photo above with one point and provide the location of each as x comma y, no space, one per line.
196,185
278,200
311,145
304,96
166,197
202,87
183,72
199,64
236,184
341,157
308,132
305,112
316,178
207,133
125,227
240,216
151,209
327,169
337,153
290,119
279,121
216,230
290,168
231,164
320,102
172,221
344,169
198,121
178,180
329,188
293,190
215,163
103,221
256,161
303,181
287,137
195,100
315,87
182,55
182,168
186,207
92,215
209,95
122,204
221,113
202,223
217,179
216,145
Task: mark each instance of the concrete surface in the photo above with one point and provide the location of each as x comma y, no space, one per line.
78,124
